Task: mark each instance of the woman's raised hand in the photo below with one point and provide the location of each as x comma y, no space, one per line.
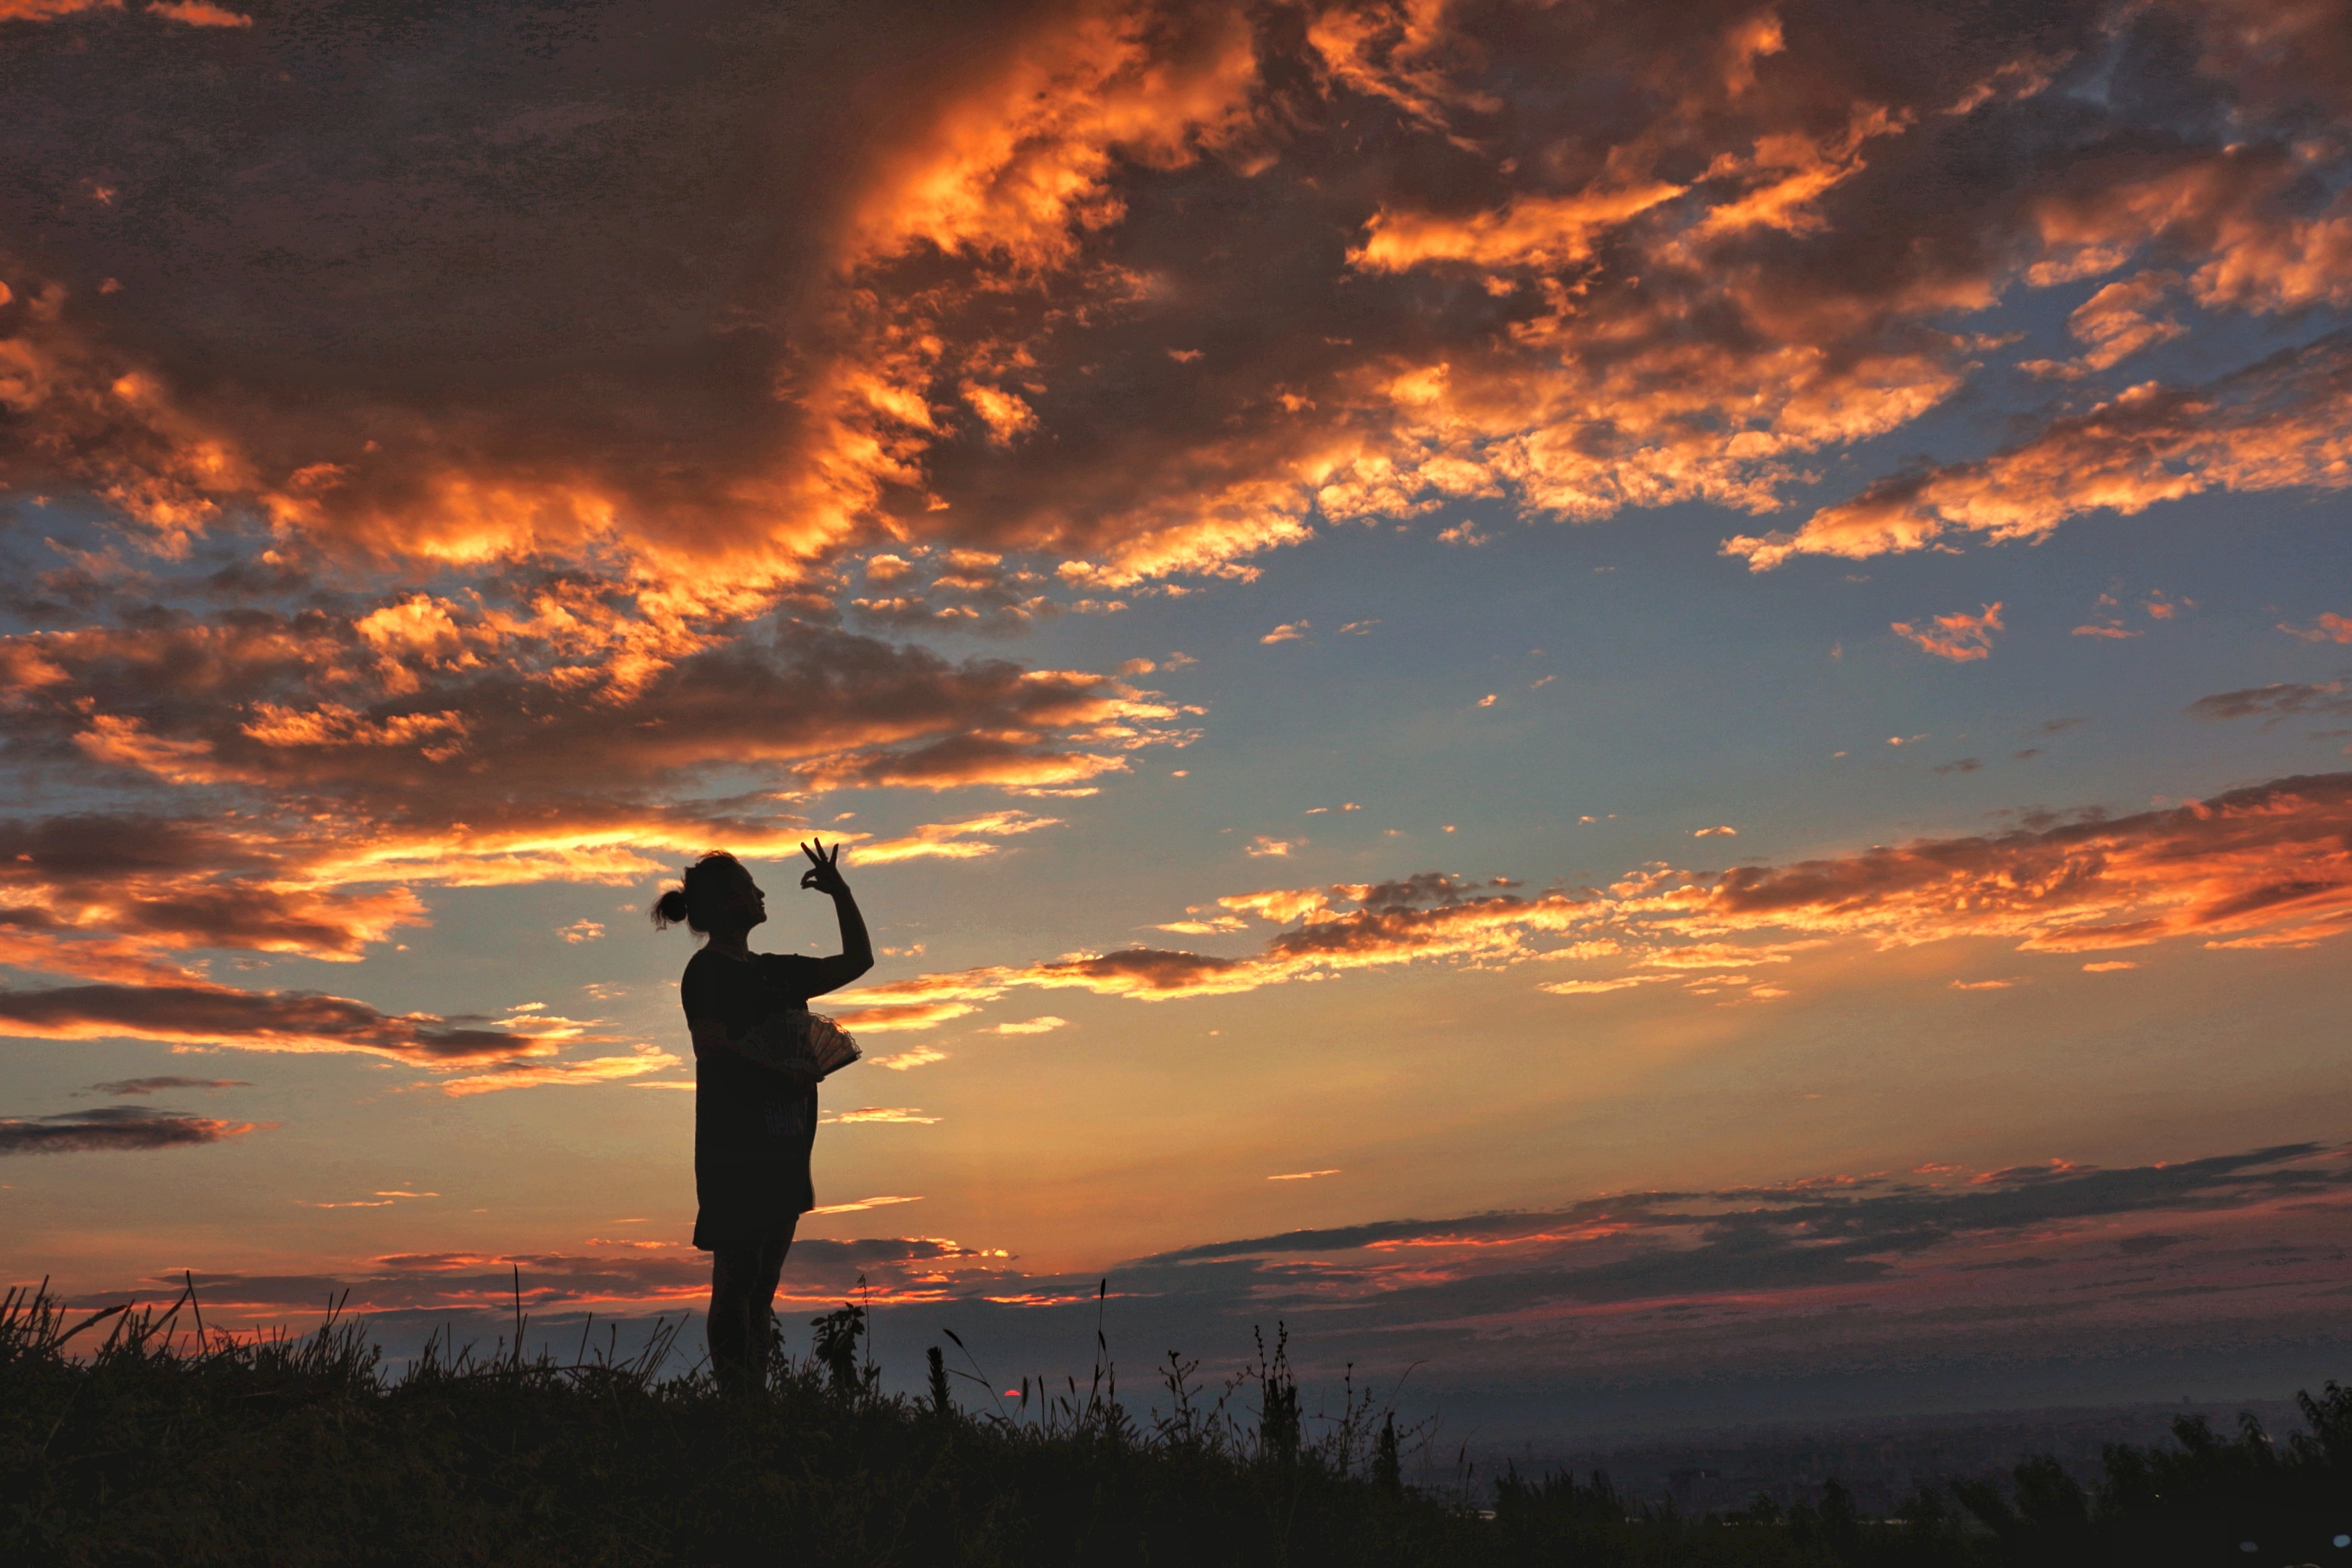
824,874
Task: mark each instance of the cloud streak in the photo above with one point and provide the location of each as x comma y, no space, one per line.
211,1015
116,1129
2263,867
2025,1260
2276,424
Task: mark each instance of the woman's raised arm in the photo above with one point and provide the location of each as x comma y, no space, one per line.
857,954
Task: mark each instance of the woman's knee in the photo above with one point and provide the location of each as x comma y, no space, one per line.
737,1273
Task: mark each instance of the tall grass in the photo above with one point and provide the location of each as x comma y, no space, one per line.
142,1436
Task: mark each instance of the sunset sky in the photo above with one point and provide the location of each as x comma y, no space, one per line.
1647,703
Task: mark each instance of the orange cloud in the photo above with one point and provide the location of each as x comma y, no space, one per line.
620,512
49,10
1532,232
1759,259
968,840
2279,423
2249,859
1960,637
199,14
2114,324
2329,628
581,1070
2266,865
270,706
1019,161
906,1061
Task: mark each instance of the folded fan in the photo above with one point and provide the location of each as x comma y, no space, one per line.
826,1043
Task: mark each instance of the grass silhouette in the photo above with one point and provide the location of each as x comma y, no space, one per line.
138,1435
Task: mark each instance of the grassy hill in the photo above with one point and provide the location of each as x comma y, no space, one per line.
139,1437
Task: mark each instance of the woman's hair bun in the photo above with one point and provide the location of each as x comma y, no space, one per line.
699,899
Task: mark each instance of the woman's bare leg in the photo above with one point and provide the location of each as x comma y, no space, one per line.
743,1301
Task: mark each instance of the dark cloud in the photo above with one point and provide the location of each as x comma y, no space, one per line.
2144,1246
128,1088
2017,1266
509,754
1741,1246
133,882
780,283
1143,971
459,1280
1860,1218
496,406
254,1020
400,706
2276,701
590,260
113,1128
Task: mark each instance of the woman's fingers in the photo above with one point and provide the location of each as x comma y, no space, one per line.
824,865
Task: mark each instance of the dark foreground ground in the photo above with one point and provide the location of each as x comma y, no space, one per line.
1880,1459
136,1438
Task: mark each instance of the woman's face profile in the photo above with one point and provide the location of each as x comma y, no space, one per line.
746,906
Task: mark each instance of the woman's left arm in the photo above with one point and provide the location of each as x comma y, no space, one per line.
857,954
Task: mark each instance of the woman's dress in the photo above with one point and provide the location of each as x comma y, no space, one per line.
753,1126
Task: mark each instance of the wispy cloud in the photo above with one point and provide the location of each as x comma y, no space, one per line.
1636,1284
2329,628
906,1060
115,1129
1960,637
270,1021
2263,865
861,1205
2276,423
580,1070
2278,701
125,1087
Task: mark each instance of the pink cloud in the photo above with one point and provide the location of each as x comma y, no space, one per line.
1960,637
2329,628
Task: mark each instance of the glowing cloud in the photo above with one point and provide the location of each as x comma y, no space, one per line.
1960,637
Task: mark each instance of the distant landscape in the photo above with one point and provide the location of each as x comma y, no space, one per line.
1881,1462
159,1439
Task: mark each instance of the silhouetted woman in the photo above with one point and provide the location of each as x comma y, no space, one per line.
754,1105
